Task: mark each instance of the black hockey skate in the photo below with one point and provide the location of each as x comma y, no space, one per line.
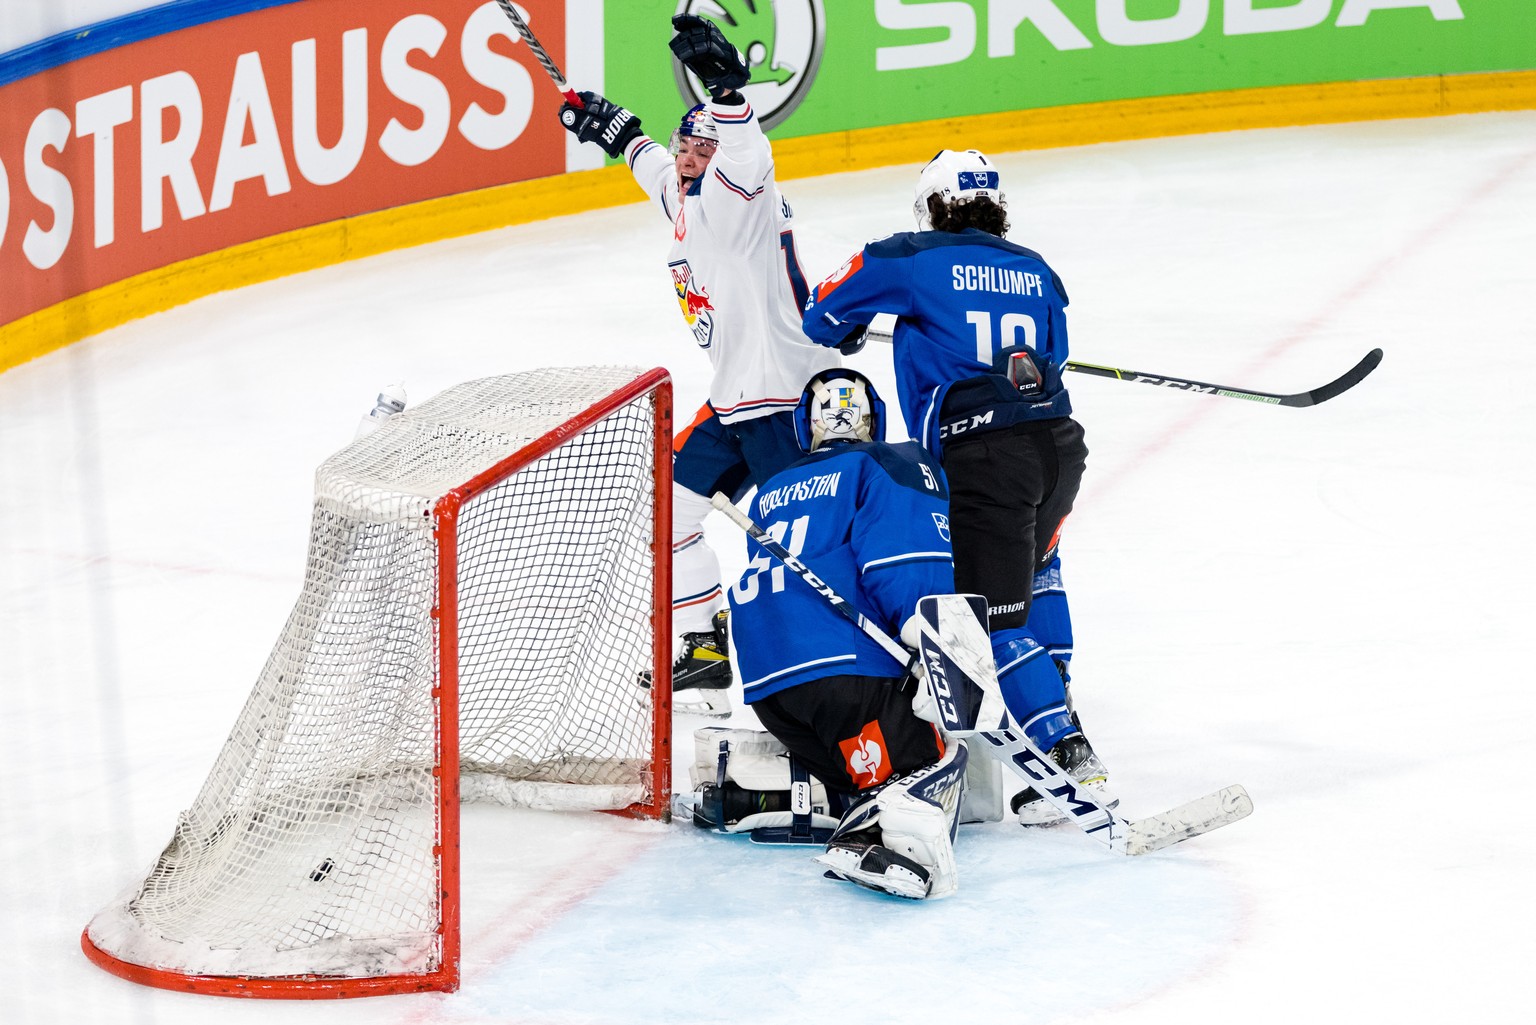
702,673
1077,759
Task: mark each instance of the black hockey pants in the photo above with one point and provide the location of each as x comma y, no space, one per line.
851,732
1009,492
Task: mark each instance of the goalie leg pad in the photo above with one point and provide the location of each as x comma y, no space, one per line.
919,814
900,839
877,868
984,796
746,781
855,854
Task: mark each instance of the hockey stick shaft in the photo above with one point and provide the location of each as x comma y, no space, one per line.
723,503
1089,808
1338,385
882,329
544,59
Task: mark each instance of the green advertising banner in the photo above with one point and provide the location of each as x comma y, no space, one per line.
833,65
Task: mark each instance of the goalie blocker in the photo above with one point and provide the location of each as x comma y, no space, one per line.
957,678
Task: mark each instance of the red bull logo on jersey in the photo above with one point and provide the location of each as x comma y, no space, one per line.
868,764
694,302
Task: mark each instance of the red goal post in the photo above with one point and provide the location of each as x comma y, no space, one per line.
485,616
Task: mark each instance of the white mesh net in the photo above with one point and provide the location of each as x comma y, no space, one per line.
312,847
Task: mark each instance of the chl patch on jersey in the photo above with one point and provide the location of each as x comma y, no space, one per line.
942,522
694,302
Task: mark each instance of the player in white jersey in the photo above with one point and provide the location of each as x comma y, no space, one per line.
740,287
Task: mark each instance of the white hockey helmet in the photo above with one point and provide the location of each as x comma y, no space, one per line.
953,176
839,405
698,123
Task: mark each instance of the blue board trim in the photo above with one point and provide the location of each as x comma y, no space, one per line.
45,54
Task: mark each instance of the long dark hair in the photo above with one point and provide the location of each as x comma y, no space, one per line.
980,212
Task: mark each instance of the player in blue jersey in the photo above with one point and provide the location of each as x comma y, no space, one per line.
739,286
872,519
980,336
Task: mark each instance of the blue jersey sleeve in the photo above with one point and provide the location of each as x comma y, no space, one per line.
851,297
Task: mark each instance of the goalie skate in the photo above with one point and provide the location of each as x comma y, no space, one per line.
875,868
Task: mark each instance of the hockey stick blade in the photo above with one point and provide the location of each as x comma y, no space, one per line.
1203,814
1337,386
1343,383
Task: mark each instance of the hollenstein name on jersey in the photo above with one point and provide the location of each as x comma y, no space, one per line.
821,486
971,277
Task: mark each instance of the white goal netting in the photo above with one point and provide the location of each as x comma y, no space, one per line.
317,844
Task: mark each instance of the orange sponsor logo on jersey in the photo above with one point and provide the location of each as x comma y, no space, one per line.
866,756
842,274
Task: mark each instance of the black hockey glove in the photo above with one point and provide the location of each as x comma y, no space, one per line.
854,342
607,124
705,51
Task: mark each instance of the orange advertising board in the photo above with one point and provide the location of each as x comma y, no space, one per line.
203,138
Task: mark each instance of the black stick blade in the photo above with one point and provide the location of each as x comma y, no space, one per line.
1350,378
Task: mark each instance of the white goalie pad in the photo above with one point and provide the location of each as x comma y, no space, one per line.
957,689
916,816
919,814
984,796
761,767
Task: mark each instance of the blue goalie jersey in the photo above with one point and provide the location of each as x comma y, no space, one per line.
958,297
872,520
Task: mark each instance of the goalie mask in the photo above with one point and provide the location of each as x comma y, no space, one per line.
696,124
839,405
956,176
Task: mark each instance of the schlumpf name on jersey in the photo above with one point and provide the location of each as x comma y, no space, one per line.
971,277
820,486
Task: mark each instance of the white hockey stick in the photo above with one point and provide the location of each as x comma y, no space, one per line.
1090,808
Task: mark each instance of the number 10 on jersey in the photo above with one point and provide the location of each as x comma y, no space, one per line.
1010,328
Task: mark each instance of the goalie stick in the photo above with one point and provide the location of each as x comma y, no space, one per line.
1091,809
510,10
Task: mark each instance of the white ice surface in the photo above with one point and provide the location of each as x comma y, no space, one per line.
1330,605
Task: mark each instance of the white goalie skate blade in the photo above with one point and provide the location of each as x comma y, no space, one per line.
843,864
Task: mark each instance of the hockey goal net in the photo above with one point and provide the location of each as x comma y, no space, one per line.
485,614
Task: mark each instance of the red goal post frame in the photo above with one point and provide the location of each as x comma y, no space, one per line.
657,383
445,515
